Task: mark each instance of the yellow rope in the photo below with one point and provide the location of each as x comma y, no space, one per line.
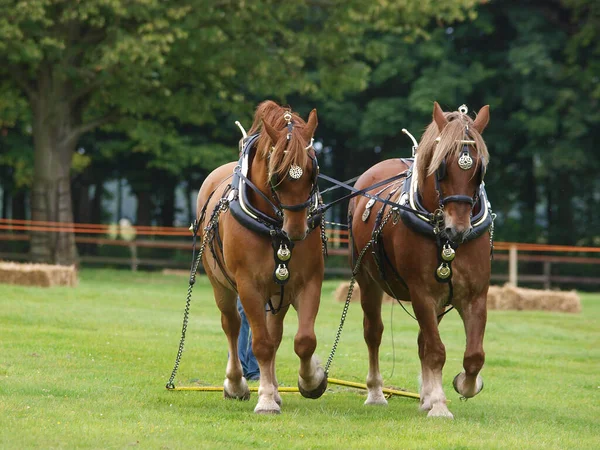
364,386
295,389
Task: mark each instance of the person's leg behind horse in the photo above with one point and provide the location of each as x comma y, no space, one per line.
247,358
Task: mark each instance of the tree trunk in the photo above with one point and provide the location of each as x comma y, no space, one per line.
189,191
19,205
96,205
563,225
144,208
5,201
54,123
167,209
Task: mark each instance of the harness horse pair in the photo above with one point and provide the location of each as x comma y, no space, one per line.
436,238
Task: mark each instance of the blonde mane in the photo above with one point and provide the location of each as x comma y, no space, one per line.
285,153
431,152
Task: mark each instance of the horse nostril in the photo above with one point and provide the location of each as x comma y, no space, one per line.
449,231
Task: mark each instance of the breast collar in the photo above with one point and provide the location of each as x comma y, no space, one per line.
244,212
421,221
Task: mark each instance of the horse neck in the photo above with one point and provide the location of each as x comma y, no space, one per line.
258,174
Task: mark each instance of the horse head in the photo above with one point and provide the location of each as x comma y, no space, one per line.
452,161
291,167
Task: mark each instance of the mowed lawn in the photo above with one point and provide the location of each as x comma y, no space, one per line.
87,367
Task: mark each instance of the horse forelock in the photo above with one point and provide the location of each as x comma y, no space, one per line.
285,153
432,152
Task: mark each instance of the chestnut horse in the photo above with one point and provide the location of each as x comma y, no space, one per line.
264,240
437,255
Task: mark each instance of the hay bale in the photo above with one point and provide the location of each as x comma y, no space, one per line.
494,294
510,297
43,275
341,292
178,272
505,297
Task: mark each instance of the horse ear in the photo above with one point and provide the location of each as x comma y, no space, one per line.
312,123
438,117
272,132
482,119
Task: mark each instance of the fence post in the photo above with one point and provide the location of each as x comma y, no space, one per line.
134,258
512,265
547,274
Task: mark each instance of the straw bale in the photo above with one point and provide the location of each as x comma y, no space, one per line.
509,297
341,292
500,297
494,293
545,300
179,272
43,275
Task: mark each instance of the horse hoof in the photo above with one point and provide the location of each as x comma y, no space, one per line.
440,410
230,394
268,408
245,396
376,399
267,411
314,393
458,379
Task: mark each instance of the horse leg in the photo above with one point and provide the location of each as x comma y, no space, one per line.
371,296
235,385
469,383
275,327
262,346
312,380
433,357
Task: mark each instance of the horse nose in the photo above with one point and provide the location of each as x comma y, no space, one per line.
457,235
298,236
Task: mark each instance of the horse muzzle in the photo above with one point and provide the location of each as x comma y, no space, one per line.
457,234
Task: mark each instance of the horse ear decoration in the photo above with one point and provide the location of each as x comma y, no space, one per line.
482,119
438,117
272,132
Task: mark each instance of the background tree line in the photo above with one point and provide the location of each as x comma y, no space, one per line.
148,91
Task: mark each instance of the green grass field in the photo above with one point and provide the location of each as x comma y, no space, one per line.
87,367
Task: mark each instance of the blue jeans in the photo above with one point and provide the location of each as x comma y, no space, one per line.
249,363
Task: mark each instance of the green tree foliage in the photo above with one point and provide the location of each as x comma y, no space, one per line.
537,65
166,80
150,67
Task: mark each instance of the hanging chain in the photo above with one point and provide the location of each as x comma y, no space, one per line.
222,206
349,296
324,238
342,320
186,311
